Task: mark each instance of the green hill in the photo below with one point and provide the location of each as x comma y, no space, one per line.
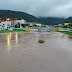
51,20
68,20
18,15
30,18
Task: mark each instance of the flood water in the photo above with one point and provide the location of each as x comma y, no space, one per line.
21,52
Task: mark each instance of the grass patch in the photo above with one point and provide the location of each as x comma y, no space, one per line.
66,32
41,41
7,31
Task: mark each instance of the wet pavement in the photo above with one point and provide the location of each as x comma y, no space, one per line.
21,52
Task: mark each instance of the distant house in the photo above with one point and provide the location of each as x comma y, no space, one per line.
11,22
60,25
66,23
8,22
22,21
47,26
40,25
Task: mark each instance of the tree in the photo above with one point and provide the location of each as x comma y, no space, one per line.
64,26
70,24
23,25
35,25
30,26
19,24
16,26
27,24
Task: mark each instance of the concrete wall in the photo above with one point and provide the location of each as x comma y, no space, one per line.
44,30
34,30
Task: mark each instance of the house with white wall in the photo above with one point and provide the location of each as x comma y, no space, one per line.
22,21
7,24
40,25
59,24
66,23
10,23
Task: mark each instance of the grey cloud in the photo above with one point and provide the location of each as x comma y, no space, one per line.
43,8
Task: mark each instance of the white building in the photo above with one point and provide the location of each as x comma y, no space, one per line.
66,23
31,24
59,24
47,26
39,25
22,21
7,24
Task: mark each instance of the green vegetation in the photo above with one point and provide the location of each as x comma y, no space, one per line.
30,18
7,31
51,20
34,25
66,32
67,26
70,25
27,24
41,41
23,25
64,26
30,26
16,26
68,20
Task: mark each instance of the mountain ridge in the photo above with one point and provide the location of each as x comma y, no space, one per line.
52,20
30,18
18,15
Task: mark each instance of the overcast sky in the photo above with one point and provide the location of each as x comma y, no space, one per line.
43,8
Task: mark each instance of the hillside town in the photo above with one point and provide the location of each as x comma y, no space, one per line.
21,24
15,24
11,23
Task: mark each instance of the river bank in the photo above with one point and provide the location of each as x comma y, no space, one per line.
7,31
66,32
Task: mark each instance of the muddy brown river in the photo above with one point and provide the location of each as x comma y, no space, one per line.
21,52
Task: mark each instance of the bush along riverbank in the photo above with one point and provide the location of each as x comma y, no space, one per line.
41,41
66,32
